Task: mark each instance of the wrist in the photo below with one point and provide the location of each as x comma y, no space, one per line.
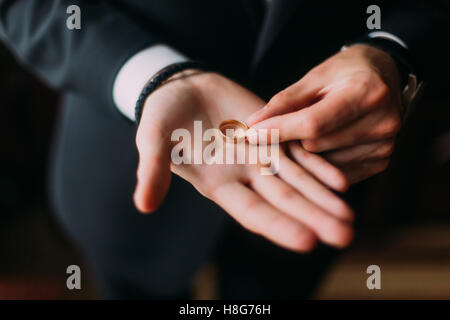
162,77
398,52
381,62
136,71
202,81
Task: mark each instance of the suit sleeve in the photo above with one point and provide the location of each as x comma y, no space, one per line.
84,61
424,26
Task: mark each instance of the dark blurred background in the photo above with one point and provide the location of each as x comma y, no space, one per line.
34,253
404,213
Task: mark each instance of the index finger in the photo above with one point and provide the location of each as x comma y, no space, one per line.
333,111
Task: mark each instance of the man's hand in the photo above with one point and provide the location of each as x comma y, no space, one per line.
348,107
293,209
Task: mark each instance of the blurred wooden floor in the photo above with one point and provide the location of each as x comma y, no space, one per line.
414,263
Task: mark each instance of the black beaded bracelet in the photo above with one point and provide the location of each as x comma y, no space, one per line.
160,78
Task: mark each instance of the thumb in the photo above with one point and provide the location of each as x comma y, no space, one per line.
153,174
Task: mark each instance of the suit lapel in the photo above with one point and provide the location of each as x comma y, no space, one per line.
278,15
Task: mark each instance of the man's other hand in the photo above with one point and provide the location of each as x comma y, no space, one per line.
347,108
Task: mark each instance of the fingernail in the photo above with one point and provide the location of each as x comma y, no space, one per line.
254,117
252,136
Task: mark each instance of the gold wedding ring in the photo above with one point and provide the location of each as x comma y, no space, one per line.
233,131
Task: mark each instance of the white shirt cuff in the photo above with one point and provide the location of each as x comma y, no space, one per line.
135,73
389,36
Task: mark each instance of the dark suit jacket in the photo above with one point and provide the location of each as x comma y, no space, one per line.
94,167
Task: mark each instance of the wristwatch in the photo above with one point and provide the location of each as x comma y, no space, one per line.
411,93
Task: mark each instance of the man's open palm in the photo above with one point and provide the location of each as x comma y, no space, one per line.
292,208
